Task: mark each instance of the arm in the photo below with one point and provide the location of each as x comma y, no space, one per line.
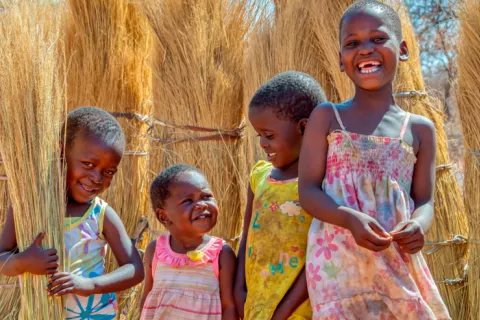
129,273
228,265
147,287
240,282
410,234
367,231
295,296
34,259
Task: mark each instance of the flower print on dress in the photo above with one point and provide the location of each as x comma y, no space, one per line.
326,246
313,276
292,208
330,292
336,312
274,206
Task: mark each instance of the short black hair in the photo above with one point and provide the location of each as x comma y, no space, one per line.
390,15
292,95
93,122
161,183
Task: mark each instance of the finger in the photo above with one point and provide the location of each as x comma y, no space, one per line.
404,234
52,258
378,229
377,240
414,245
399,227
415,237
51,252
51,271
59,288
64,291
58,275
53,265
38,239
57,282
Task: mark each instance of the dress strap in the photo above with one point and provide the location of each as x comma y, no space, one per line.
405,125
337,115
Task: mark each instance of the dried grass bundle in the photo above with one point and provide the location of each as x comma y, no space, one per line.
198,94
108,46
450,219
293,37
469,106
33,108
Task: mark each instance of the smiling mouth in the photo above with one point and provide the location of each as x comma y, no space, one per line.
369,67
270,156
203,216
89,189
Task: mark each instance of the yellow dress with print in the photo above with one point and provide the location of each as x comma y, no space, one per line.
276,244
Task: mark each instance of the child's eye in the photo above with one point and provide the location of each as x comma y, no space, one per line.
208,196
379,39
109,172
186,201
87,164
269,136
351,44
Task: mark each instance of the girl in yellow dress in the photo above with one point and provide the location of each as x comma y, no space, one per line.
271,282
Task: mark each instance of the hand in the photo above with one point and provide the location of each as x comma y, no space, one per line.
368,233
64,283
37,260
240,296
409,236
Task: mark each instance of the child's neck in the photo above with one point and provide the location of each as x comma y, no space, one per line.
285,173
378,100
75,209
183,244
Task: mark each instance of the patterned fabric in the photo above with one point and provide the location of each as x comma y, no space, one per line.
276,244
372,175
185,286
85,249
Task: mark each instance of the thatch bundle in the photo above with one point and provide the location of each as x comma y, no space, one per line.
32,108
469,105
198,96
9,287
108,45
450,219
292,37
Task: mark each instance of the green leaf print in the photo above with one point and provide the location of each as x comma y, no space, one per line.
331,269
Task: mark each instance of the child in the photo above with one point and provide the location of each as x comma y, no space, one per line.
93,149
189,273
271,281
369,188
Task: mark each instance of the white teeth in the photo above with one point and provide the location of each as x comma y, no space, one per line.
374,63
271,154
369,70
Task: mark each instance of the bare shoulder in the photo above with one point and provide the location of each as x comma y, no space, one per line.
422,127
227,256
323,116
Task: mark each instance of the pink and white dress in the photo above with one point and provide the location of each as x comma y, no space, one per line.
372,175
185,287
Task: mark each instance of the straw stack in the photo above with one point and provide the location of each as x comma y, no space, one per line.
292,37
32,108
9,290
198,96
469,105
108,46
447,263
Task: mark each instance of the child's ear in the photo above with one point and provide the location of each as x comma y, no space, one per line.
301,125
404,54
161,215
342,69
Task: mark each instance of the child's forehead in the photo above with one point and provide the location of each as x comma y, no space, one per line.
371,18
90,143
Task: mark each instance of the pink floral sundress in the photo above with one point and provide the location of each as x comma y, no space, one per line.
372,175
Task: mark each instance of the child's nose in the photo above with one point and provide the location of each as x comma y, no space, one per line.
96,177
264,142
366,48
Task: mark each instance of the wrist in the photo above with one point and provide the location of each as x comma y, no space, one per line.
18,263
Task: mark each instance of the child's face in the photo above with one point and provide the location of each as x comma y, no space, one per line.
91,165
280,138
370,51
190,207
